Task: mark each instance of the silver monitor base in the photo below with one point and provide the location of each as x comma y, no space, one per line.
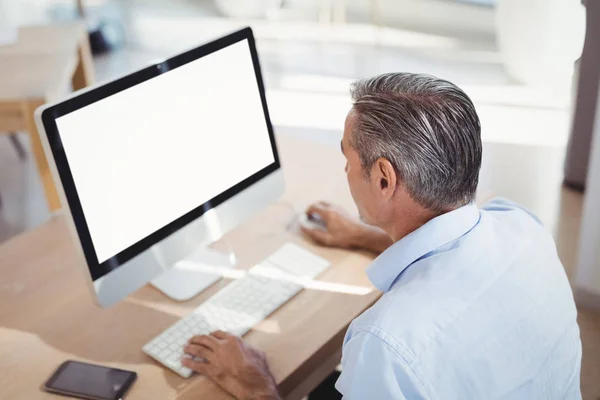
190,276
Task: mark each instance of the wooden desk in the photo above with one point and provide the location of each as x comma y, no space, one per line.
47,314
39,68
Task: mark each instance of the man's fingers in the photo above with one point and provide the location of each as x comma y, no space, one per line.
319,209
221,335
204,340
199,367
199,351
317,235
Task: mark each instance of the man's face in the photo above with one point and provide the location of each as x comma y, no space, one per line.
360,186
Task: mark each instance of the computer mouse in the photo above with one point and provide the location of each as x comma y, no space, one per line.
312,221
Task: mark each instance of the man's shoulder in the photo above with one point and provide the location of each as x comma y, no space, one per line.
508,211
402,320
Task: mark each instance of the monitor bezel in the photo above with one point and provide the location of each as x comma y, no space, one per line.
99,269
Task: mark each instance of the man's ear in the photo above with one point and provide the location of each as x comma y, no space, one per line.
384,177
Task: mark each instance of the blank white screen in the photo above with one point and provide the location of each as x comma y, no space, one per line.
146,156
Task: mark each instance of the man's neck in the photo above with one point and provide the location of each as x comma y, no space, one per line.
408,219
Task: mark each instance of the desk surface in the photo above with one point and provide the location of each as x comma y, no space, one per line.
47,314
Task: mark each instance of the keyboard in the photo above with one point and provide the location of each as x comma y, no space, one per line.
241,304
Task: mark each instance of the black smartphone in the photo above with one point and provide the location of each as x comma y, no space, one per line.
90,382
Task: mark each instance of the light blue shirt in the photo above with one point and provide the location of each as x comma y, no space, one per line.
476,305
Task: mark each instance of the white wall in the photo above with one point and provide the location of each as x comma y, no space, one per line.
20,12
3,13
436,16
440,16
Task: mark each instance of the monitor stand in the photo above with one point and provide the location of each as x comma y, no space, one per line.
201,268
190,276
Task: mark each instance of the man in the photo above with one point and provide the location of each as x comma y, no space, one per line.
475,305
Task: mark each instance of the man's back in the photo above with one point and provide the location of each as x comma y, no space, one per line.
476,306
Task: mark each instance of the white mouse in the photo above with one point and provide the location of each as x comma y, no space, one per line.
312,221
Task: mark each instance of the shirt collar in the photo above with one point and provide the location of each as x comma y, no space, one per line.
437,232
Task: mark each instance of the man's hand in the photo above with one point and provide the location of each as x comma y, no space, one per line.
343,230
238,368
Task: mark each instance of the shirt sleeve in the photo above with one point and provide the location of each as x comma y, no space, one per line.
502,204
371,369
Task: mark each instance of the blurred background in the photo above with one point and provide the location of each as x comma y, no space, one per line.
517,59
514,58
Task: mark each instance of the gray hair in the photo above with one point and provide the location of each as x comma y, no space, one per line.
429,131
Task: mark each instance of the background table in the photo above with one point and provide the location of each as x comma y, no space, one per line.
41,67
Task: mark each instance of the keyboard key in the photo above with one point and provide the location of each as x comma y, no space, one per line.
164,354
185,372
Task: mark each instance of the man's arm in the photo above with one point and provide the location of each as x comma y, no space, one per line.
372,369
345,231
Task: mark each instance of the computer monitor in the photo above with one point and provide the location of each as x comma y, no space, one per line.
153,165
